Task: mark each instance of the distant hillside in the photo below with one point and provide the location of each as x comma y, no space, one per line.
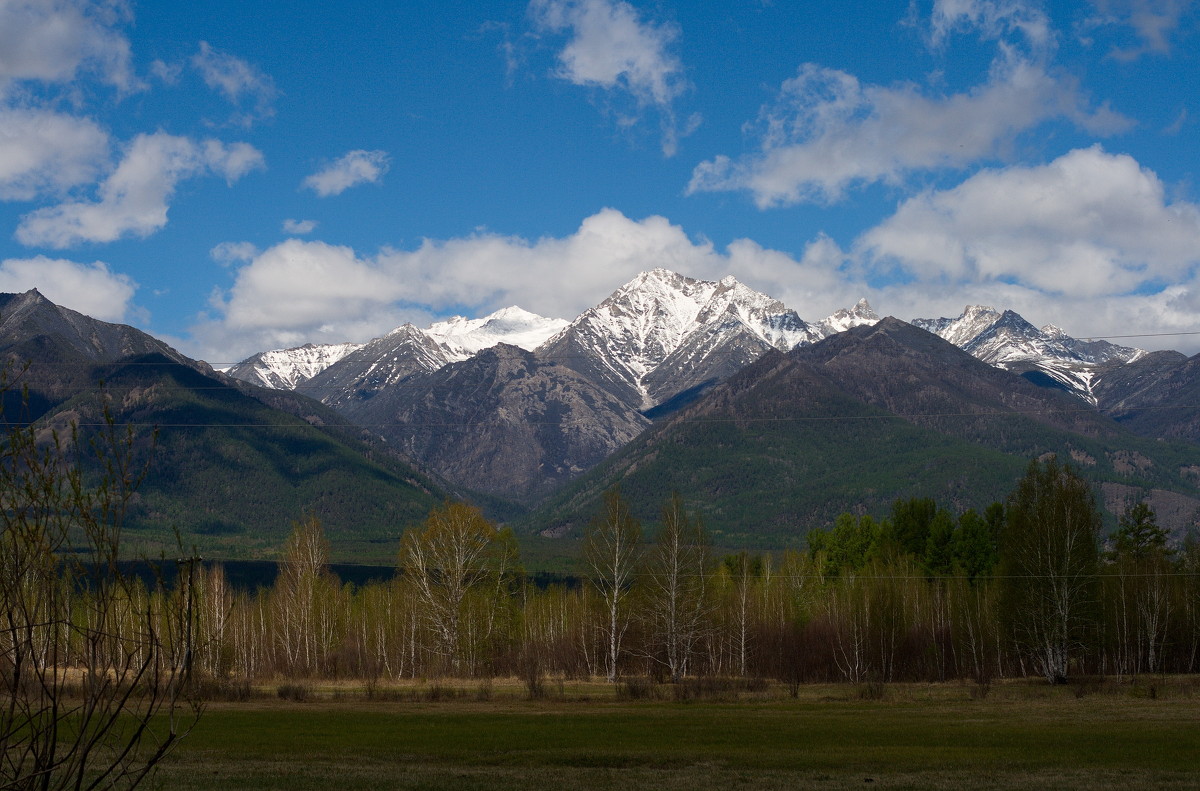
851,424
233,465
231,473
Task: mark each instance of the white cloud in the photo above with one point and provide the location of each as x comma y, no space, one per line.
52,40
47,152
299,227
1084,242
237,81
167,73
88,288
992,19
827,132
233,253
133,199
356,167
300,291
612,48
1152,23
1087,224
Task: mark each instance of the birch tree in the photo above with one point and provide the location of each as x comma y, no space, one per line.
457,552
611,550
676,580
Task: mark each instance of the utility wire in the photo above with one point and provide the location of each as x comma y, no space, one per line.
300,422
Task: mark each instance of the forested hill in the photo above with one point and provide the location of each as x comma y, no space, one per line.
851,424
233,465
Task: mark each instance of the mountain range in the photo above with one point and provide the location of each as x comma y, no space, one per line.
861,419
655,345
766,423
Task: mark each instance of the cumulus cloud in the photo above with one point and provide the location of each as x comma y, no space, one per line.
1089,223
300,291
356,167
42,151
52,40
610,47
238,81
299,227
91,289
1088,242
1017,238
828,132
133,199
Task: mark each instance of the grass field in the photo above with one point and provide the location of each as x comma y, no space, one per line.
1021,735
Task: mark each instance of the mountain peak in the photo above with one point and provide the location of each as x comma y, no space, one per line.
663,329
859,315
462,337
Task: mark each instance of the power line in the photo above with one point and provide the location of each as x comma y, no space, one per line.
301,423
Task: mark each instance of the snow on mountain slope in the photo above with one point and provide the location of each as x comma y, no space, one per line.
377,365
462,337
379,360
286,369
1006,340
661,315
858,316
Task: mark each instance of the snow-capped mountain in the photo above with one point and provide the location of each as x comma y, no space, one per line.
1006,340
462,337
663,333
287,369
860,315
377,365
389,358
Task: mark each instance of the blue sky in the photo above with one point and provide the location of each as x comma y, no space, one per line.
236,176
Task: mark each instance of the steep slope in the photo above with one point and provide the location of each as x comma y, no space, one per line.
851,423
231,473
663,333
234,463
287,369
376,366
50,351
385,361
1157,395
1047,356
503,422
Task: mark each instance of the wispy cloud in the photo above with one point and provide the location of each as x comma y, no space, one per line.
827,132
612,48
299,227
1151,23
134,198
227,253
245,86
1015,21
352,169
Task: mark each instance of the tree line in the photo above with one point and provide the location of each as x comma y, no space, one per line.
1027,588
103,671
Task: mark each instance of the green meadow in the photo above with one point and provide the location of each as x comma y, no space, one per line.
1019,735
